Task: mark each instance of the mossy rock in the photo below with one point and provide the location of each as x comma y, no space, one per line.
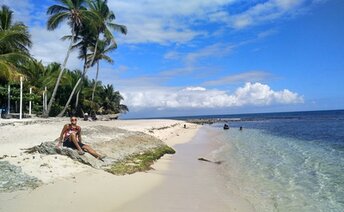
140,162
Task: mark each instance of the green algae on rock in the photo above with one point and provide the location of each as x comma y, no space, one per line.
139,162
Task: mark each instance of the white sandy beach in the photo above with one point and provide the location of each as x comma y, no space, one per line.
178,182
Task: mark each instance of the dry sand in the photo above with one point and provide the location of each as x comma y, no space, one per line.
178,182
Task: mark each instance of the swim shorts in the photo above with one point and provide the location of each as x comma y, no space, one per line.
70,144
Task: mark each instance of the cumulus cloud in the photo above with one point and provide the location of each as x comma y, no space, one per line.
198,97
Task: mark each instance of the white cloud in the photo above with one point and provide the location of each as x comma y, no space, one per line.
265,12
262,94
177,21
199,97
195,89
48,46
214,50
21,8
241,77
164,22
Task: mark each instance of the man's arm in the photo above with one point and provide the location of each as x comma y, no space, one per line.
79,135
62,135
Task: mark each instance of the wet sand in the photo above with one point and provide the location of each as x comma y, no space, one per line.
190,184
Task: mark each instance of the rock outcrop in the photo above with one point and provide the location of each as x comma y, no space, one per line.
13,178
123,144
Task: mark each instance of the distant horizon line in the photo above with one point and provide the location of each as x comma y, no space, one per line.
234,114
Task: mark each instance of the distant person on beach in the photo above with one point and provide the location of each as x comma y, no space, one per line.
85,116
93,116
71,137
240,129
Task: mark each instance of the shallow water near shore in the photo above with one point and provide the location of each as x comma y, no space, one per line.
286,164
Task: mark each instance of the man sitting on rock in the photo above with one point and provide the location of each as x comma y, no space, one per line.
71,137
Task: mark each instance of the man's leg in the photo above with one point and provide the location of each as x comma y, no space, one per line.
91,151
75,141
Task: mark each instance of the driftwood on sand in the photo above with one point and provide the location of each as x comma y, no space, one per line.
206,160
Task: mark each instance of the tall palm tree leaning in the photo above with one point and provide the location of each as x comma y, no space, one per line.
85,37
14,44
104,27
104,47
76,14
107,17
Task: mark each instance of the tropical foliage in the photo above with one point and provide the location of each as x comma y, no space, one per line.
91,22
14,44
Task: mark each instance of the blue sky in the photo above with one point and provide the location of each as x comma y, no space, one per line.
213,57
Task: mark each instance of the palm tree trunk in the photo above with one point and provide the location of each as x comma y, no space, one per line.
73,91
52,98
77,98
82,81
79,81
69,99
93,57
95,83
86,67
95,51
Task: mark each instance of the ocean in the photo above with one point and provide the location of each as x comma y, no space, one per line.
285,161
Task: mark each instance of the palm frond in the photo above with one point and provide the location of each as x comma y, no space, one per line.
119,28
55,20
54,9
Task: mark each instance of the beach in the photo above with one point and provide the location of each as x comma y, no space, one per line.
176,182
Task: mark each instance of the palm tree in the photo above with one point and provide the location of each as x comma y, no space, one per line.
104,47
106,17
77,15
86,37
111,100
14,44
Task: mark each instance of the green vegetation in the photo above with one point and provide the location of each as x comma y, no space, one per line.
91,23
139,162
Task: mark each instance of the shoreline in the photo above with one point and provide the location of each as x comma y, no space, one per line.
176,180
190,184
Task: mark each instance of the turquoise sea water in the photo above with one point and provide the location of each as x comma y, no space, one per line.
289,162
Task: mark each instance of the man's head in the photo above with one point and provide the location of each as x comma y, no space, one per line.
73,120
